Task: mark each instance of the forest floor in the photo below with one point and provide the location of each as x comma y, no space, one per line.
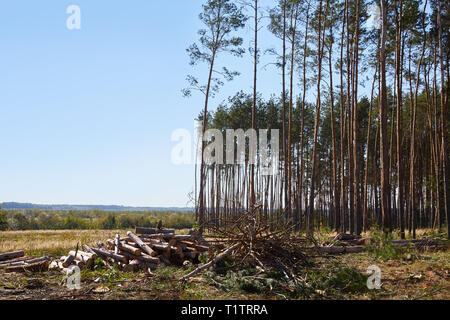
407,276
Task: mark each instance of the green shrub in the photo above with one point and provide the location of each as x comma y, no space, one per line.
383,248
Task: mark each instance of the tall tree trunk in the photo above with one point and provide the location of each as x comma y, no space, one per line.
302,142
316,126
384,158
255,78
443,120
356,162
398,71
335,188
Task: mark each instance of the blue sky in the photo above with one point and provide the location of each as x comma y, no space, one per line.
87,115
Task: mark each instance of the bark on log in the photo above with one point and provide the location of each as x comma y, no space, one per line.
424,242
11,255
16,260
177,249
154,236
143,258
68,261
82,256
124,247
34,267
153,231
145,248
340,250
178,237
221,256
108,254
87,249
161,247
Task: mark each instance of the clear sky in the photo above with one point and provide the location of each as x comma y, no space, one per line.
87,115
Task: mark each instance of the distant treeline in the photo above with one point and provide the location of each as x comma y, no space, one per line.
38,219
66,207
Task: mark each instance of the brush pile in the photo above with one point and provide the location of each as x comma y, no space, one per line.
249,240
152,248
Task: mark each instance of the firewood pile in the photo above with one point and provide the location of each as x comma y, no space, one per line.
132,253
16,261
249,240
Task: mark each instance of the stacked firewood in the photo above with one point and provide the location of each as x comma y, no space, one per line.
132,253
17,262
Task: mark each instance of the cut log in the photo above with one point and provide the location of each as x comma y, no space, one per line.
154,236
11,255
153,231
68,261
161,247
340,250
191,249
424,242
133,266
82,256
16,260
178,237
87,249
199,247
34,267
143,258
345,236
112,255
125,247
176,249
356,249
80,264
145,248
36,260
116,244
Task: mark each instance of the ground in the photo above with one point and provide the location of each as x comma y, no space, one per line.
411,275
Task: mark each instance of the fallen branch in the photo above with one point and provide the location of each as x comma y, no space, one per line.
221,256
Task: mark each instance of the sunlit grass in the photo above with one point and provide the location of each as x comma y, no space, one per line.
58,242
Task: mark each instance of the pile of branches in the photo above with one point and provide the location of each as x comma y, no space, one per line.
250,240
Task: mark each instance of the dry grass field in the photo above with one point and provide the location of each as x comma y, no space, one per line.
52,242
330,277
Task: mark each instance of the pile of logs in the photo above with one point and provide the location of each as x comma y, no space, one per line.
153,247
17,262
348,243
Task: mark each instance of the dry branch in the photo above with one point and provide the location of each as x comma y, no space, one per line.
221,256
